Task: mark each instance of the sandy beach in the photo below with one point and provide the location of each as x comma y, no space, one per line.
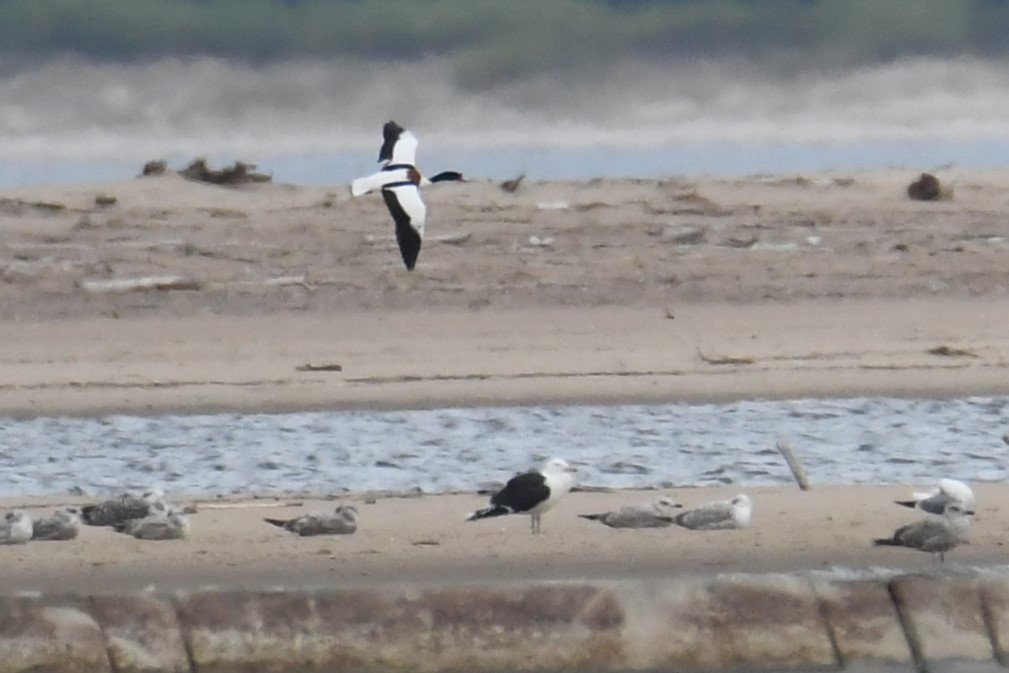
158,294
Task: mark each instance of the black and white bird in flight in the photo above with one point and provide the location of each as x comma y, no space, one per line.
531,493
400,182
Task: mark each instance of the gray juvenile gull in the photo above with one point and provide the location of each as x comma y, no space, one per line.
530,493
62,525
657,514
342,521
15,527
164,523
936,535
948,491
721,515
121,508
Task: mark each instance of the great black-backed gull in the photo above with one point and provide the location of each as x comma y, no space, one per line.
400,181
935,501
933,534
530,493
15,527
121,508
656,514
64,524
721,515
342,521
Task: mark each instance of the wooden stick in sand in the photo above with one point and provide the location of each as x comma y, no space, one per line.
793,464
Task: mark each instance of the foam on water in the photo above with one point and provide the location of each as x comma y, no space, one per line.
848,441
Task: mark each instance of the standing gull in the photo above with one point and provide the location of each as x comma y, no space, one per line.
121,508
62,525
342,521
400,181
936,535
530,493
948,491
721,515
15,527
657,514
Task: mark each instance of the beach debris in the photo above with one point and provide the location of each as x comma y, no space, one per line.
719,515
950,352
793,464
948,491
319,368
925,188
342,521
724,360
544,242
123,507
143,284
15,527
64,524
935,535
553,205
104,201
656,514
511,186
669,313
530,493
156,167
239,173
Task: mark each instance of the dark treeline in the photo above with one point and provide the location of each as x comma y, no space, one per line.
491,41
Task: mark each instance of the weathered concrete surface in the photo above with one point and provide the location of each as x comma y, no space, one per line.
927,622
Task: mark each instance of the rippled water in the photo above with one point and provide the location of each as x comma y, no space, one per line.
845,441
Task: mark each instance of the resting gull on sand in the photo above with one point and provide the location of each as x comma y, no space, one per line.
721,515
342,521
163,523
948,491
64,524
530,493
657,514
121,508
15,527
936,535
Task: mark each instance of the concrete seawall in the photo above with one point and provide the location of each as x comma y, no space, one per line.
939,621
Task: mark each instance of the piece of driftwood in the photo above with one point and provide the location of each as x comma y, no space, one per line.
793,464
319,368
724,360
118,285
950,352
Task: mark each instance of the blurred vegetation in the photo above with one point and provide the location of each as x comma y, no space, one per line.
492,41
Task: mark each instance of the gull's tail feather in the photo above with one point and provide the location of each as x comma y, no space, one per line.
276,522
487,512
907,503
592,517
886,542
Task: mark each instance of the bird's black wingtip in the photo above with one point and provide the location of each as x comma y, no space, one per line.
280,523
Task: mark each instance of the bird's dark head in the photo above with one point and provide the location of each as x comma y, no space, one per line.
448,176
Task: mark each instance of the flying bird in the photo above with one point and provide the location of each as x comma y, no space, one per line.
721,515
936,535
15,527
64,524
935,501
342,521
400,181
657,514
531,493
